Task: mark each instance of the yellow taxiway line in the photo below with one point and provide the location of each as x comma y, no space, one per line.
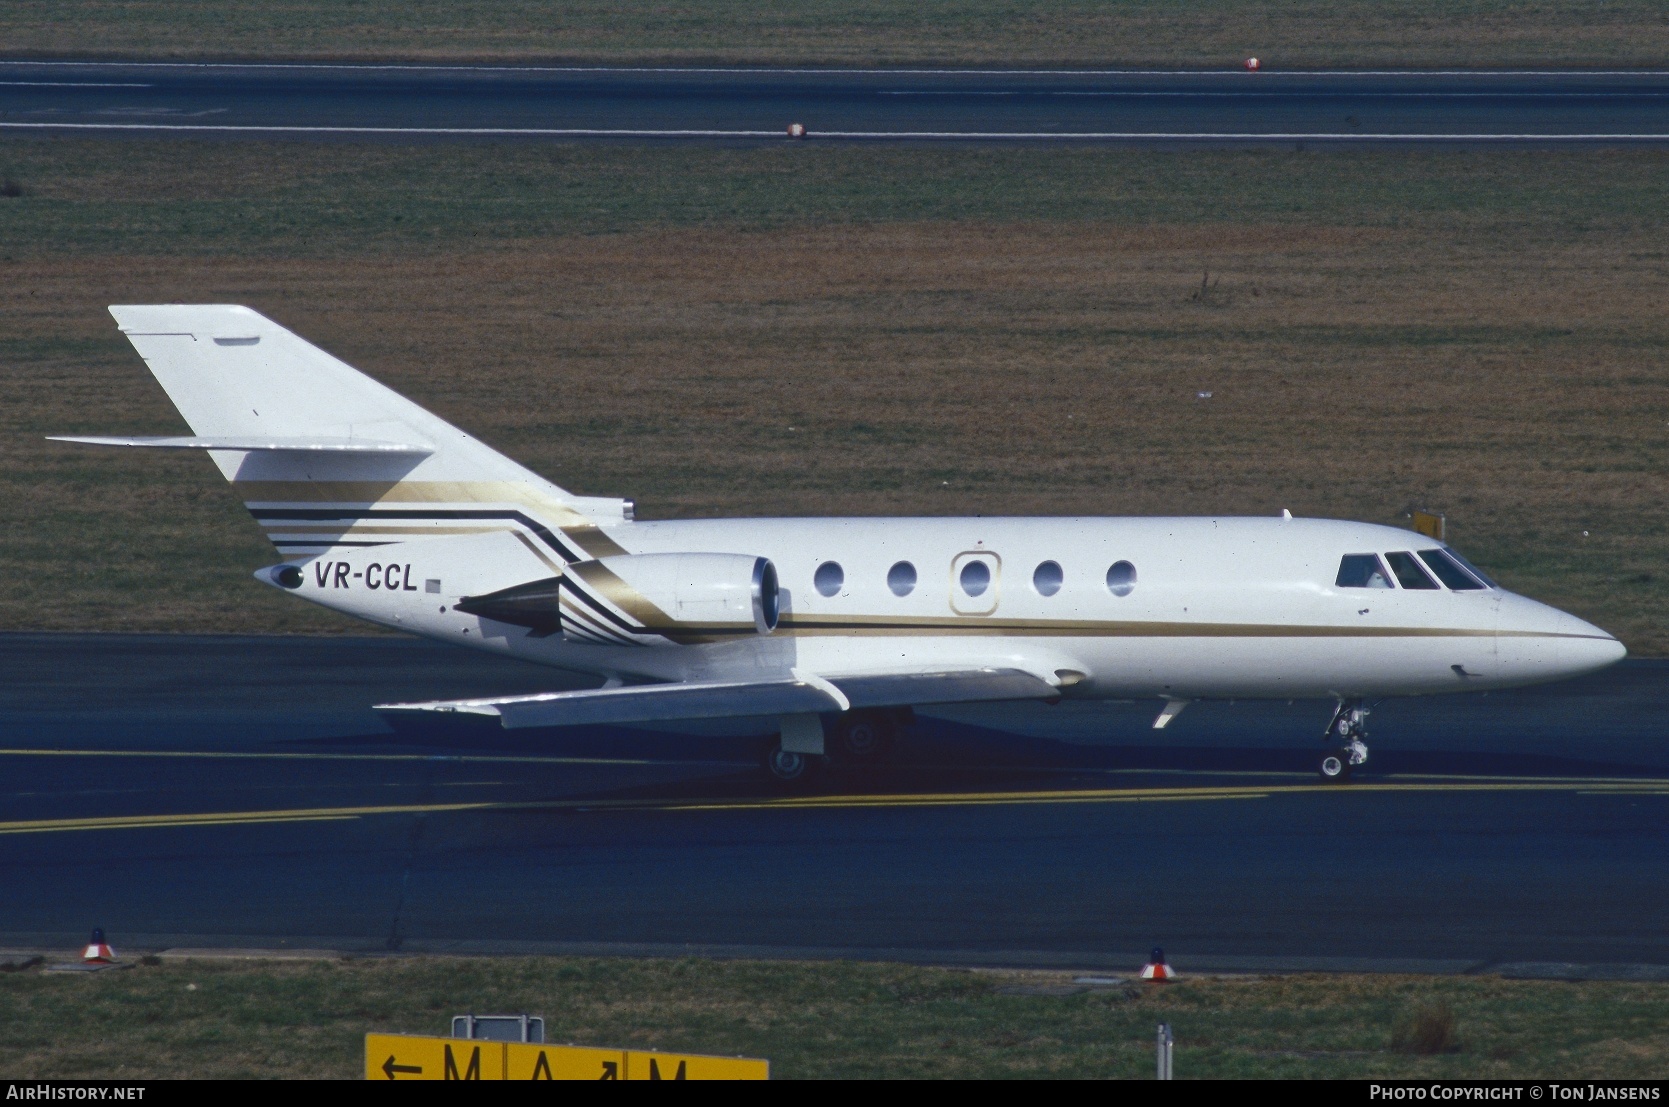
1587,787
1405,780
229,818
292,756
1129,795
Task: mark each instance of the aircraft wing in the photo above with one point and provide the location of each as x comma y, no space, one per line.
800,693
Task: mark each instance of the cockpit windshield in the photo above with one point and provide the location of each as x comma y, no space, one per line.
1408,571
1366,570
1455,571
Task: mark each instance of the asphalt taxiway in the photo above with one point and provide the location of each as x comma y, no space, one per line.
237,792
578,102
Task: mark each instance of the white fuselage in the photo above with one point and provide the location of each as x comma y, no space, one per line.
1219,607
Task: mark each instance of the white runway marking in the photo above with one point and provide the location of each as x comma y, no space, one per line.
1246,136
74,84
1242,94
1236,72
966,136
540,132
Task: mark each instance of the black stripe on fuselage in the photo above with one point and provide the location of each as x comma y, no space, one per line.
319,515
583,618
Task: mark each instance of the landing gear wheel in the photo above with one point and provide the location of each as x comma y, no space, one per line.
792,770
1346,735
1335,766
862,737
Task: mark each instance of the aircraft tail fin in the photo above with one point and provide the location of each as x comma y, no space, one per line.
324,456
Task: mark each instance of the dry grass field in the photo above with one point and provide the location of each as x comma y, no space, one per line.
1285,33
806,330
226,1019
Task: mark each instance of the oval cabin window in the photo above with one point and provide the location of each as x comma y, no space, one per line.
1121,578
830,576
1048,578
901,578
976,578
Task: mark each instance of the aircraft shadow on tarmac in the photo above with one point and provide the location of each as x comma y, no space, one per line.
934,755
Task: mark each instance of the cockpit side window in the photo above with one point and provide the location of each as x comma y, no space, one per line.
1408,571
1362,571
1454,570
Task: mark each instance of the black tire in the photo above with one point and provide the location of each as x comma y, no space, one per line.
862,737
1334,767
792,770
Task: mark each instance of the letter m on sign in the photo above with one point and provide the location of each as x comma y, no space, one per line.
655,1071
473,1072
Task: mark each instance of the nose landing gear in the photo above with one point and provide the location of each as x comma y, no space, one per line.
1346,741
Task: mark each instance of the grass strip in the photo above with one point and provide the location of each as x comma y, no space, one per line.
809,330
207,197
1286,33
228,1018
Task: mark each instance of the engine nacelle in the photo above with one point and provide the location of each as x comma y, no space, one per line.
723,592
643,599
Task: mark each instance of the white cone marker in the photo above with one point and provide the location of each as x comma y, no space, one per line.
98,951
1156,969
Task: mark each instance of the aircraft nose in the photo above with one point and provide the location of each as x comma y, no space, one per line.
1535,642
1585,648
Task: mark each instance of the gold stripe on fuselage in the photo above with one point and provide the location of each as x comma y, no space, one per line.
574,525
873,625
690,635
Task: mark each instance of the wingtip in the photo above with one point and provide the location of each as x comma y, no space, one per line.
439,707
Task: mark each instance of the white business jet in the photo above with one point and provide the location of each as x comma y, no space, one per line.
832,628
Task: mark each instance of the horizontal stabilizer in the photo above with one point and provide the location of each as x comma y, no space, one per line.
253,443
800,694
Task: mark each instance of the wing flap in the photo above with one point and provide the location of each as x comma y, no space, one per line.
959,686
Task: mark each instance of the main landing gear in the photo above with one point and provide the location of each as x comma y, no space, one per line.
856,739
792,769
1346,742
863,737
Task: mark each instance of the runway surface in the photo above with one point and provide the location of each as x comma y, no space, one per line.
215,792
394,101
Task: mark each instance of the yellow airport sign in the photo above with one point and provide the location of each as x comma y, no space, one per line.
409,1057
1431,524
543,1062
406,1057
642,1064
